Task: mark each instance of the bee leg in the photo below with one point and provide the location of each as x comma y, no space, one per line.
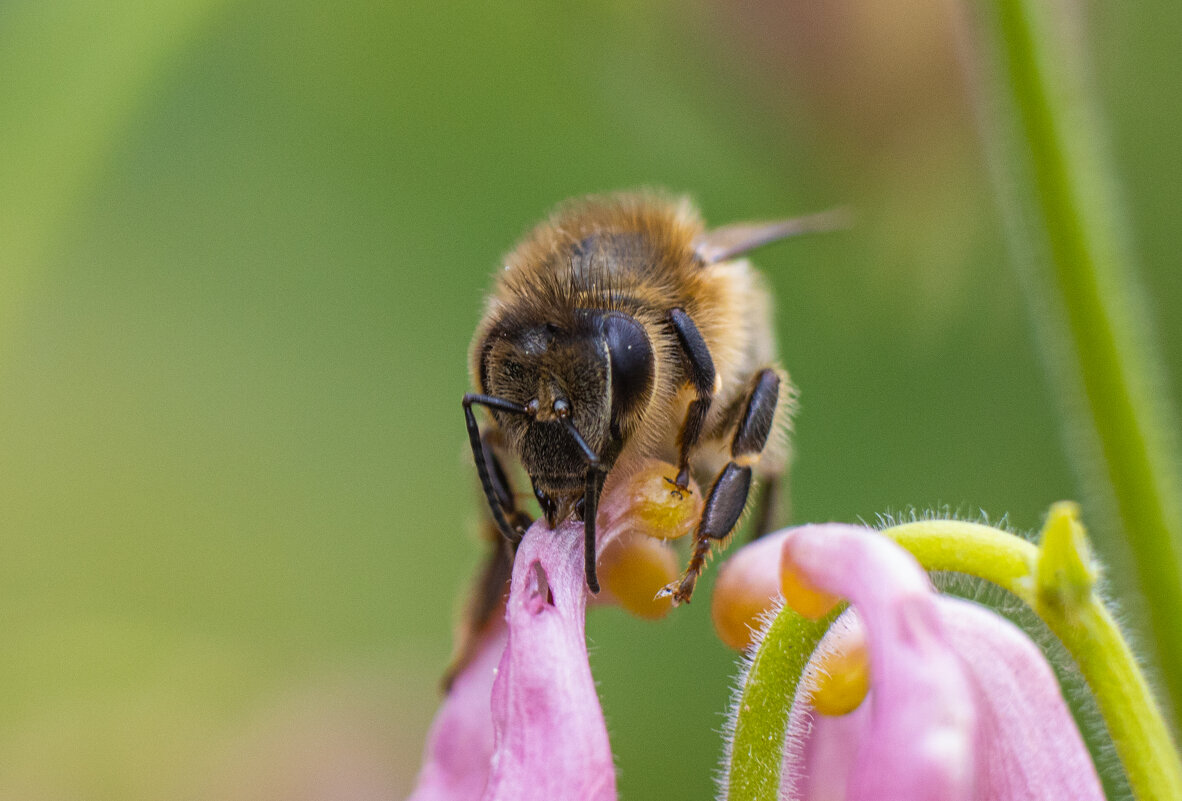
492,584
485,603
728,495
488,478
701,376
766,507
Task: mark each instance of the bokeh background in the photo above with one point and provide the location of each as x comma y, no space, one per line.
243,246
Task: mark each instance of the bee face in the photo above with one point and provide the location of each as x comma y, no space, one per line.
553,372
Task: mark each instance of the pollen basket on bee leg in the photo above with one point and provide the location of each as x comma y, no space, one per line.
648,502
642,513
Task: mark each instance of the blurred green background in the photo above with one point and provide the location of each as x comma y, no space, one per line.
243,247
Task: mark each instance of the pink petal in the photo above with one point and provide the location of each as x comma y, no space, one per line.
551,740
962,705
1031,747
899,744
822,750
748,585
460,743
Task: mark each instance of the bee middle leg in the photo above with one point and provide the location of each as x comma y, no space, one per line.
701,376
728,494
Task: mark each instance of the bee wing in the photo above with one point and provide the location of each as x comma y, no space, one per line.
729,241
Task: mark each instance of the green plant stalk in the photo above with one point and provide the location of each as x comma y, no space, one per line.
1095,329
761,720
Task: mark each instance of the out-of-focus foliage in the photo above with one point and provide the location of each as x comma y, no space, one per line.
242,248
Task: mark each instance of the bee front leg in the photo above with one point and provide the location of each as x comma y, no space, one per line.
701,376
502,488
728,494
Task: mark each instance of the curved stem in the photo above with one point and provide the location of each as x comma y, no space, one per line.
761,717
979,550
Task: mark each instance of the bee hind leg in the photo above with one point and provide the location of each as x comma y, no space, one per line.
484,606
728,494
768,507
487,598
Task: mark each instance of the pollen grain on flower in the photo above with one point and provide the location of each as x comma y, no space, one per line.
641,513
800,593
747,587
842,668
633,568
645,501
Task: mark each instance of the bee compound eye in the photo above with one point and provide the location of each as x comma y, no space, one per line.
631,360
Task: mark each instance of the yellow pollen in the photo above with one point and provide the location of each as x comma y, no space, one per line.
657,508
633,568
736,608
801,595
638,562
843,676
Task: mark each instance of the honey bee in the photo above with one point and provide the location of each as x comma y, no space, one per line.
621,330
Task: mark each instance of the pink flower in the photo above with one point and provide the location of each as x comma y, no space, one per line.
960,704
543,735
909,695
460,743
522,720
551,739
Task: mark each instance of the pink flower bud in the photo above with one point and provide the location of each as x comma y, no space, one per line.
962,705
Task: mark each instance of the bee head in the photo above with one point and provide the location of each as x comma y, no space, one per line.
587,378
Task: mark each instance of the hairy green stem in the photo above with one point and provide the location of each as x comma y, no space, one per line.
1088,304
761,719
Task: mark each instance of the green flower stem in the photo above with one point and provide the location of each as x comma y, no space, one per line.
983,551
757,747
1078,618
1089,306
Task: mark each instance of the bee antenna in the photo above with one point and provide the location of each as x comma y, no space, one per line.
594,485
595,478
588,455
